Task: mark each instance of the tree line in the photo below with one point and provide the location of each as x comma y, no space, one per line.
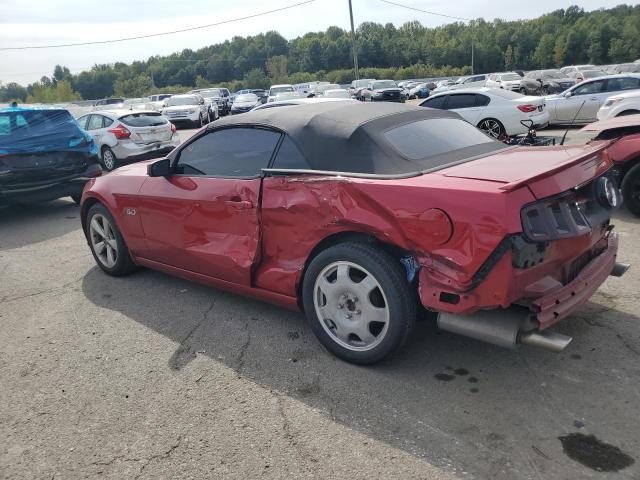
562,37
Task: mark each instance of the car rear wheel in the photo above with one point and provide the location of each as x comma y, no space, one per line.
358,302
631,190
109,160
107,245
523,90
492,127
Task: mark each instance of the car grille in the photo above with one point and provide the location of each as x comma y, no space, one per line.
178,113
390,95
567,84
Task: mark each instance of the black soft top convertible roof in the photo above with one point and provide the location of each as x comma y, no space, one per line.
348,136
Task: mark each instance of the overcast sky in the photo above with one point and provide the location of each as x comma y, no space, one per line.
42,22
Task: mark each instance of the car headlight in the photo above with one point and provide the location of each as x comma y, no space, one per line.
377,94
610,101
192,110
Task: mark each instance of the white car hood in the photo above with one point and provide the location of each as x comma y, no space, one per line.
180,107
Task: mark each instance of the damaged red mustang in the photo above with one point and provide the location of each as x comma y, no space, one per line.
359,214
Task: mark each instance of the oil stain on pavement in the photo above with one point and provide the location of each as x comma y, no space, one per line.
594,454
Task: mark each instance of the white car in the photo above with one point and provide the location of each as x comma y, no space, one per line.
506,81
158,100
336,93
124,136
472,81
276,89
494,111
627,103
580,103
301,101
576,68
322,87
190,108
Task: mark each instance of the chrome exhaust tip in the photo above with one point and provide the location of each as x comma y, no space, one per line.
619,269
552,341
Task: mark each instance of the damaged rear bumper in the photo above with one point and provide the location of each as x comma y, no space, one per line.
528,323
559,302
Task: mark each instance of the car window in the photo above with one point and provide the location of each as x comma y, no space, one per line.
435,102
143,119
82,121
627,83
5,124
107,122
463,100
429,138
589,88
289,156
95,122
482,100
231,152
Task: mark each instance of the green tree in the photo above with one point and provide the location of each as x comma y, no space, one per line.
277,68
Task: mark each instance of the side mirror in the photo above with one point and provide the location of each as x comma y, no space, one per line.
161,168
568,94
539,80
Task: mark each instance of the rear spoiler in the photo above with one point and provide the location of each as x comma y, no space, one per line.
598,160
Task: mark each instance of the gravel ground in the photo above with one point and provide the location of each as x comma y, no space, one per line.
150,376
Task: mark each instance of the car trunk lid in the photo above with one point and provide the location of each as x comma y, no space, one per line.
545,171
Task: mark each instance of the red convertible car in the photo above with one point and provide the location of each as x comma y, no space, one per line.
359,214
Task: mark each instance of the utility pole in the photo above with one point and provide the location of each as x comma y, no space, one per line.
472,72
354,45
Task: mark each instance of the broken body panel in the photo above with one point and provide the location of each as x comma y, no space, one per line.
461,224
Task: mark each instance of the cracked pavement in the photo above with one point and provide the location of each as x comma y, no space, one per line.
150,376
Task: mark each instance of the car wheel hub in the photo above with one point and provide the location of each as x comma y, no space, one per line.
107,158
492,128
103,241
351,306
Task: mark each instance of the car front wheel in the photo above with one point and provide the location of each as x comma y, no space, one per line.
358,302
631,190
106,242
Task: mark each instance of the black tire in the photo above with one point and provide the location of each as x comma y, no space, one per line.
108,159
391,277
498,131
631,190
523,90
628,112
124,264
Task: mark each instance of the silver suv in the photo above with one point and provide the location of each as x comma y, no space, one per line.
190,107
125,136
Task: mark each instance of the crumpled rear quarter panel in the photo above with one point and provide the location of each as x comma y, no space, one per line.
299,212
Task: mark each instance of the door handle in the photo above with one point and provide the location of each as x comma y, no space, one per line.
244,204
593,98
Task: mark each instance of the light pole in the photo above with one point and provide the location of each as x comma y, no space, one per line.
354,45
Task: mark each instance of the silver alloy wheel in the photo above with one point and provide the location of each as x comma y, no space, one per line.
351,306
103,240
491,127
108,159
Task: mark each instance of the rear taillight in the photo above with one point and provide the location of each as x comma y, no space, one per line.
527,108
120,131
173,128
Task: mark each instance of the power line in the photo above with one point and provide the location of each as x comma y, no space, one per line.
161,33
440,15
426,11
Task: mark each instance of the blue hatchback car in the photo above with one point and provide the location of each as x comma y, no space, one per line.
44,155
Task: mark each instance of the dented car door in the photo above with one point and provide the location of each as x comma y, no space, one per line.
204,217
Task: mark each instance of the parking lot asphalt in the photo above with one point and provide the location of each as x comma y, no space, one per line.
150,376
